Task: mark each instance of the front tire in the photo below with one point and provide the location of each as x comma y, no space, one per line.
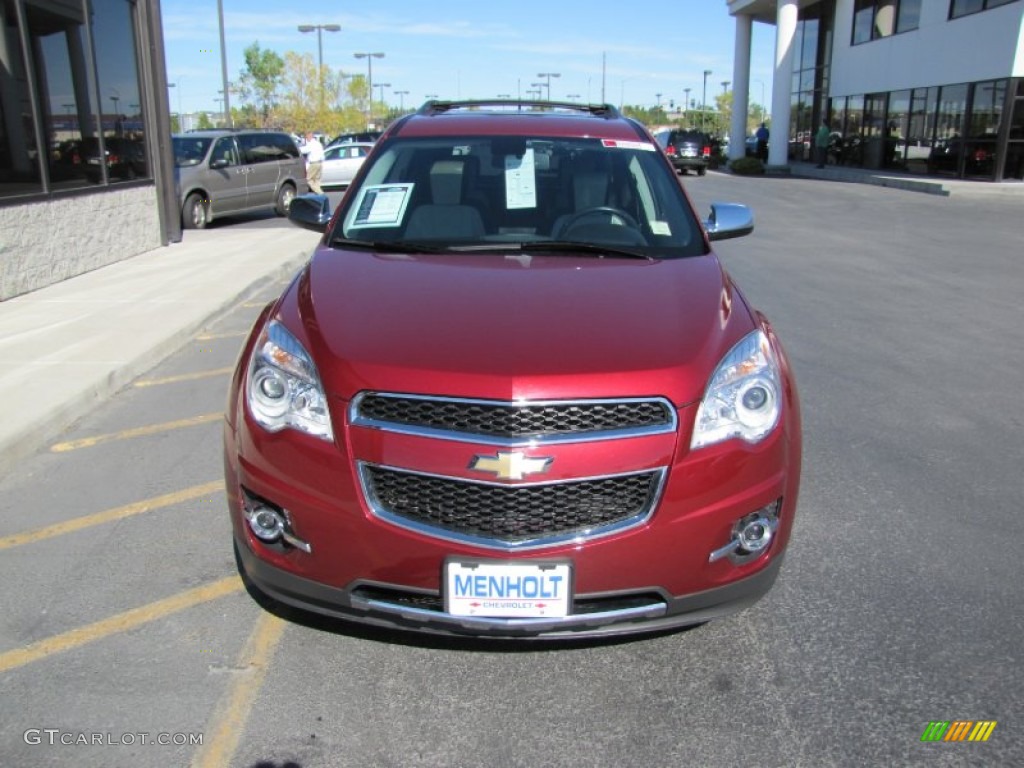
285,195
194,214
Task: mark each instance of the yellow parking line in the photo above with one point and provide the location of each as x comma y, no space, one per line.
227,725
152,429
183,377
122,622
213,336
118,513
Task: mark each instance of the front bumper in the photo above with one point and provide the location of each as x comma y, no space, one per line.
397,608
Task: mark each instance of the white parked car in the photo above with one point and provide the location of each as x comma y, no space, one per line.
342,162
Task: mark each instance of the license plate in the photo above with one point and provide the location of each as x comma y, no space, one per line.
520,590
689,153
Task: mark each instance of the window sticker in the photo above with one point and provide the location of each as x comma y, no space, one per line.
661,228
382,205
520,181
617,144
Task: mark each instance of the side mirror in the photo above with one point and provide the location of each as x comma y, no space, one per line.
218,162
310,212
729,220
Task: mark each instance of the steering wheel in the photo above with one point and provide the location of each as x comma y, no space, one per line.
600,210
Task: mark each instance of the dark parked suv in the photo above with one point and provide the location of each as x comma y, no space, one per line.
224,172
688,150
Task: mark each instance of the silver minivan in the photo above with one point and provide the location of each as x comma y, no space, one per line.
223,172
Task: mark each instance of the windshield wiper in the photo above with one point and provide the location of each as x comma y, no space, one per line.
562,246
387,246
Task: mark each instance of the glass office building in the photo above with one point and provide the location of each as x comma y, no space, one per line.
80,88
926,87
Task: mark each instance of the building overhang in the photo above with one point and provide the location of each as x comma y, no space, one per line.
760,10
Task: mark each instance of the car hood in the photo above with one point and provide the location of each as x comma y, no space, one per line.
507,327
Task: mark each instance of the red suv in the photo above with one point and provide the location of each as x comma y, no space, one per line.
513,393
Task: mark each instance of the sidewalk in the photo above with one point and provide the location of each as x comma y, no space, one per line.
934,185
70,345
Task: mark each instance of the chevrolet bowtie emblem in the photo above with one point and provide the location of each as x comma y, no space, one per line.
511,466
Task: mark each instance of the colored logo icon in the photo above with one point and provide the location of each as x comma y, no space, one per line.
958,730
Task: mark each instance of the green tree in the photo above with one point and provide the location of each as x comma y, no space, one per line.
260,79
303,107
723,119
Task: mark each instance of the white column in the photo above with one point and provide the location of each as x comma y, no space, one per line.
782,82
740,85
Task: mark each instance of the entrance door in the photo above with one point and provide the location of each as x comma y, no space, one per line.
875,131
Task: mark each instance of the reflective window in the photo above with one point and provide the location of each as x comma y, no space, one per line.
964,7
921,129
897,130
810,44
885,18
875,19
63,80
19,155
119,105
853,140
959,8
948,150
909,15
863,20
1017,121
72,117
981,147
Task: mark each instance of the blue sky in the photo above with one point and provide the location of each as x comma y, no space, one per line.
469,49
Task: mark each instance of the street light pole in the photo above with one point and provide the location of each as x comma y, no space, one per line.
686,104
704,99
320,50
223,64
382,86
401,99
547,76
369,81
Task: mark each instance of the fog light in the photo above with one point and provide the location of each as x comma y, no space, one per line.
756,535
751,535
269,523
265,523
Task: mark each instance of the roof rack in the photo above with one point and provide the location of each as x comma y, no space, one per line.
441,107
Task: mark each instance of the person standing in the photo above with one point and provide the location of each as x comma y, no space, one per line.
314,152
762,143
821,140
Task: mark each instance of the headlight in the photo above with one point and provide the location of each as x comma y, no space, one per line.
743,397
283,388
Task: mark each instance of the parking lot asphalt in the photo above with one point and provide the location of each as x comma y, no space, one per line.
70,345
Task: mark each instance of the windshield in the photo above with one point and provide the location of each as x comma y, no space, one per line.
519,192
189,150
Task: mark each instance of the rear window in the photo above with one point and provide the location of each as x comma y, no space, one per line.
265,147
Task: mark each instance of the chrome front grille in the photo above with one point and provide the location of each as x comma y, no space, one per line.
512,517
506,422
